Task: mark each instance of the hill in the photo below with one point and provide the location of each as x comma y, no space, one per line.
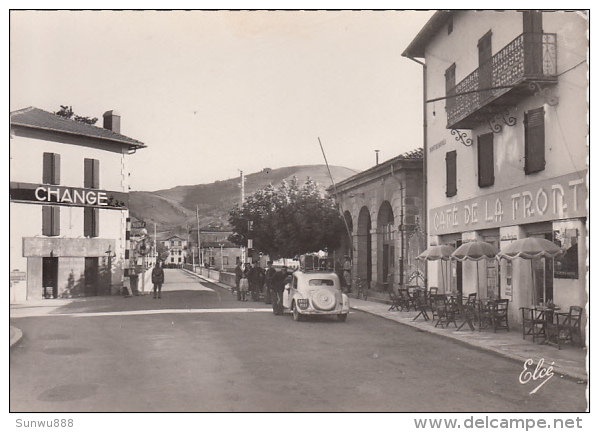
173,210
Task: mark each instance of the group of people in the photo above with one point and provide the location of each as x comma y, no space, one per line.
249,279
252,279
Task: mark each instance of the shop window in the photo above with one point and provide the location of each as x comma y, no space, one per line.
486,161
534,141
451,174
50,220
91,175
91,221
51,169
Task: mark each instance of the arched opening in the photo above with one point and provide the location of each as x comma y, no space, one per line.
385,245
364,250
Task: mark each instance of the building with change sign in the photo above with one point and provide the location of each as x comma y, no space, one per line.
69,183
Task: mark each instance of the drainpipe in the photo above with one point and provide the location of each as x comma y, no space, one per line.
424,156
401,229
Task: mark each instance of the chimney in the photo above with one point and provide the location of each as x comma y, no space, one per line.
112,121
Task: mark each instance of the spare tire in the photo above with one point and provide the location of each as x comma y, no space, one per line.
324,300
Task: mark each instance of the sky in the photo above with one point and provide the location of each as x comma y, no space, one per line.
214,92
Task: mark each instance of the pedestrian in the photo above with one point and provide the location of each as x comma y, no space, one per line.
238,275
277,291
270,280
158,279
244,286
347,272
258,282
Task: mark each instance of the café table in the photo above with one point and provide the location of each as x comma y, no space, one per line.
547,318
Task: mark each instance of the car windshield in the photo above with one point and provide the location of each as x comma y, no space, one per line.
321,282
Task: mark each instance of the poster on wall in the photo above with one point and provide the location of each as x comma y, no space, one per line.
566,265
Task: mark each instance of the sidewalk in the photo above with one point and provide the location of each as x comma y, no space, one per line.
570,361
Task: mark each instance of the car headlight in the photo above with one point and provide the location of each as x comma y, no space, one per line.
302,303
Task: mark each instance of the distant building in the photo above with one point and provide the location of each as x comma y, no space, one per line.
69,184
217,251
383,209
177,251
506,148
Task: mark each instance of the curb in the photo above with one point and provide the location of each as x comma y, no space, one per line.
557,369
15,335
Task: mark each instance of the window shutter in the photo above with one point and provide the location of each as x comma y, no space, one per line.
46,220
56,169
47,169
87,222
451,173
95,222
88,168
50,220
534,141
95,173
486,162
55,221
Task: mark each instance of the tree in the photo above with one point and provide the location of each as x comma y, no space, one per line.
67,112
288,221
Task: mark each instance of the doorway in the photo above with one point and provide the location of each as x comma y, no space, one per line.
543,275
91,276
49,277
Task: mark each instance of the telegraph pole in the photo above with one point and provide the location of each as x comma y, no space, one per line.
199,238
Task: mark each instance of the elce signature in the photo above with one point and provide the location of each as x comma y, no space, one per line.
539,372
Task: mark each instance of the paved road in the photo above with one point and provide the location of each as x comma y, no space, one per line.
197,349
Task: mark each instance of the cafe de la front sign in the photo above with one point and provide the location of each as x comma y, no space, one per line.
62,195
559,198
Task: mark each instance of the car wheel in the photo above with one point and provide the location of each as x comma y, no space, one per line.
342,317
296,315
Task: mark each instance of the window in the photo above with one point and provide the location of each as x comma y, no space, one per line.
225,260
451,173
486,161
534,141
91,222
91,174
449,86
50,220
51,169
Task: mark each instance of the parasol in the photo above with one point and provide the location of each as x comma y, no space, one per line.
531,248
436,253
475,251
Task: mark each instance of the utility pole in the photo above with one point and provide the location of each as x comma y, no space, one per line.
242,185
242,188
199,237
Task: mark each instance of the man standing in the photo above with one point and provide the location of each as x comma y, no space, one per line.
277,291
347,272
270,281
158,279
238,274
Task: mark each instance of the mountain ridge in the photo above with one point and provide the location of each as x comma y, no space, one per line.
173,210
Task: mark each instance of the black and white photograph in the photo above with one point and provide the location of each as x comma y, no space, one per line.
315,210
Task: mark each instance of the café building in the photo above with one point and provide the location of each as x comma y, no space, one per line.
69,183
505,121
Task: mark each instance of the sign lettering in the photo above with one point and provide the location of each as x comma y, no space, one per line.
552,199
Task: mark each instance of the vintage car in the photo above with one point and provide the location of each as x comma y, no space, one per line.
315,292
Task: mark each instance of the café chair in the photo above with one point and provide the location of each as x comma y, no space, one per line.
565,327
533,323
499,316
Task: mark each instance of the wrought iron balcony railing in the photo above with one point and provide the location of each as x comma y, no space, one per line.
530,58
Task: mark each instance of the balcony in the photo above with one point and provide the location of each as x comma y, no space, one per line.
503,81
